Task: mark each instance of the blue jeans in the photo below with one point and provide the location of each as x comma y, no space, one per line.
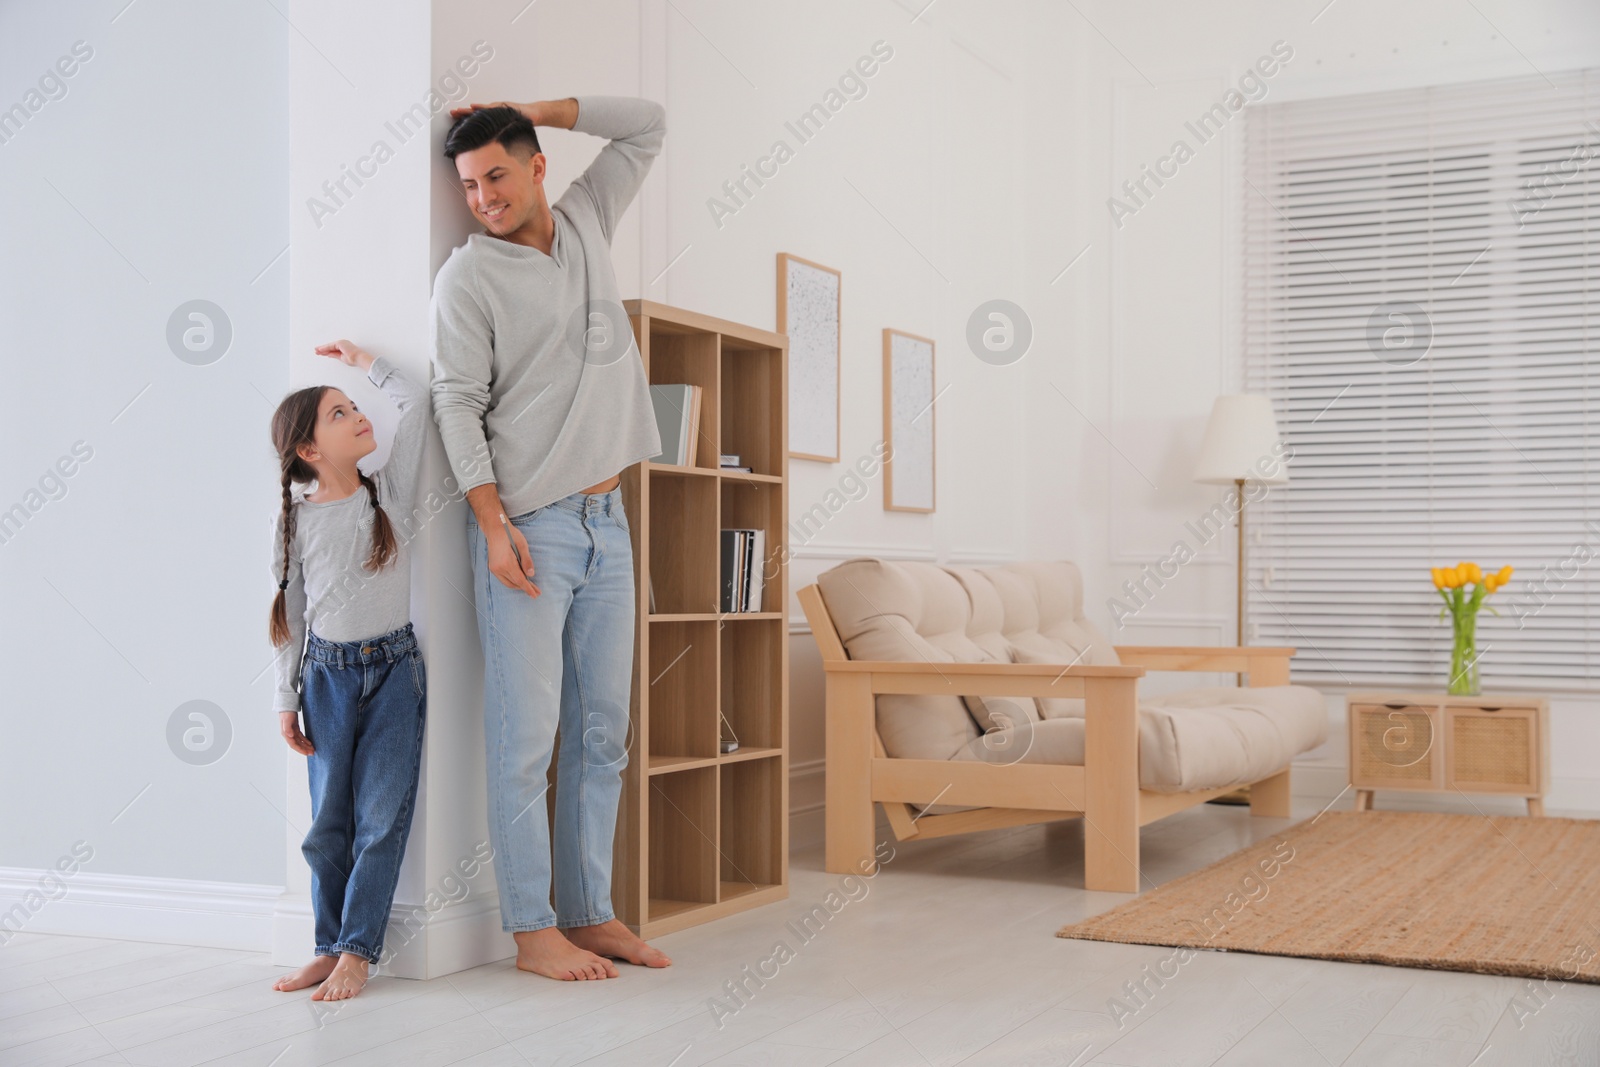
563,658
364,704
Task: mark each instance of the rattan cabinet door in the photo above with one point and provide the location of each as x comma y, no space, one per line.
1395,745
1493,749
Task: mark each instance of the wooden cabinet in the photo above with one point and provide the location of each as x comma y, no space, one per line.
703,833
1482,744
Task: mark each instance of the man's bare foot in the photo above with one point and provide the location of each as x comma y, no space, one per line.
345,980
548,952
312,973
612,938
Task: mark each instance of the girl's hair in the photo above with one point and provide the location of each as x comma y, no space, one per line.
295,424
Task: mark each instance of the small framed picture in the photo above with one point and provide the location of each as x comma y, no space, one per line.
808,311
908,394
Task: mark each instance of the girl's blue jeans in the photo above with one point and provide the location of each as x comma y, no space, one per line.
364,705
563,658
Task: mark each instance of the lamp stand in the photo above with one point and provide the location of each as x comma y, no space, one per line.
1239,608
1241,795
1239,615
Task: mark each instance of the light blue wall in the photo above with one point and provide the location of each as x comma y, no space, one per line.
140,582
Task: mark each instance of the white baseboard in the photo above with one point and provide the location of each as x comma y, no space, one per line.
806,803
177,911
806,826
252,918
452,938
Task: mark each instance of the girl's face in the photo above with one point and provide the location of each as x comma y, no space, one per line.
343,434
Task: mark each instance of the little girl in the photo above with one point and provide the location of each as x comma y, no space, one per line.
341,572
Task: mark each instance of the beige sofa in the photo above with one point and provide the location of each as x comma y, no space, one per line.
970,698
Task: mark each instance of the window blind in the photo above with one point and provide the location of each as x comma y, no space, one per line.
1420,275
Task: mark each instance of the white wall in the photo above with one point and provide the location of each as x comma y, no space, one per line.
914,192
1151,313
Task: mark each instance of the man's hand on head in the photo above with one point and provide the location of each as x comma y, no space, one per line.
557,113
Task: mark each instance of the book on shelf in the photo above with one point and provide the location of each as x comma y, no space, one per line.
757,571
729,459
743,553
730,557
677,409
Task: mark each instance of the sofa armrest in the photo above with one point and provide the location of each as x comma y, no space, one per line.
1264,665
989,679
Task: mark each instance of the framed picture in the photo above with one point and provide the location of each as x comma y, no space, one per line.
908,392
808,311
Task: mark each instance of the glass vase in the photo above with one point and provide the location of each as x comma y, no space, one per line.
1464,656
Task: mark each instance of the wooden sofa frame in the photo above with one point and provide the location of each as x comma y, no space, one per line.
1104,792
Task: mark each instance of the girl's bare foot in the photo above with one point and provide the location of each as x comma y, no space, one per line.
548,952
345,980
612,938
310,974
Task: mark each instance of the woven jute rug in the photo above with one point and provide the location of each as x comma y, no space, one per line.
1495,895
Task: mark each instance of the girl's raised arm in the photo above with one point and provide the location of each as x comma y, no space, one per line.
399,471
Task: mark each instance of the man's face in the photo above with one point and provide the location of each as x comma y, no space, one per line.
501,189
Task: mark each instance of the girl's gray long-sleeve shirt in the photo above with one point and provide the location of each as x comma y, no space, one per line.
537,384
330,589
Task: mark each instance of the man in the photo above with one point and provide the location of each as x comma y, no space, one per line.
542,401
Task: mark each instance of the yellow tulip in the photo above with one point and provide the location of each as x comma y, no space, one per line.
1504,576
1438,577
1452,578
1491,583
1474,574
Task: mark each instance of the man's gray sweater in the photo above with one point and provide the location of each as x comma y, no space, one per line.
537,384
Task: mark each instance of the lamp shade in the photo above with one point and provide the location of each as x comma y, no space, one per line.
1241,443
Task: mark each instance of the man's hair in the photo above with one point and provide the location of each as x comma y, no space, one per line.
504,124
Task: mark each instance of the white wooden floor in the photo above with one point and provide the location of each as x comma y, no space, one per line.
947,957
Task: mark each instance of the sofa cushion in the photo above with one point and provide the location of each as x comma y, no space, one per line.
986,630
1055,707
906,611
1213,736
1045,623
1000,712
1208,738
1044,612
909,611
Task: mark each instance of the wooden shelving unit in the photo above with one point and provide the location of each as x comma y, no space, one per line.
702,834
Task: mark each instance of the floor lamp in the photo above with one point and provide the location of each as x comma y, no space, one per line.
1241,445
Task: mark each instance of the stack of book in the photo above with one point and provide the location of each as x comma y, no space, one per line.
730,462
743,557
677,410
